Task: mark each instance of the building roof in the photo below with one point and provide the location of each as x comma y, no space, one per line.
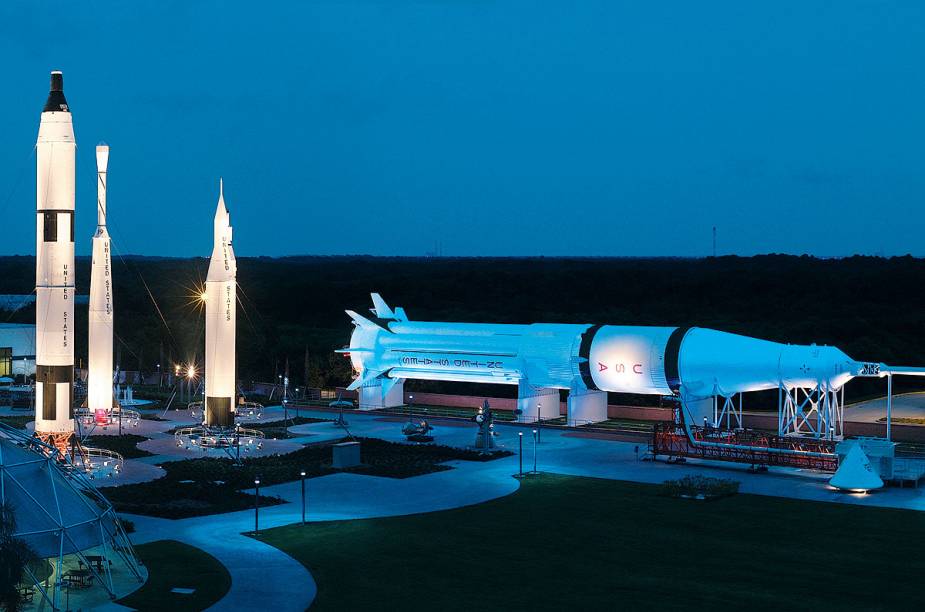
56,510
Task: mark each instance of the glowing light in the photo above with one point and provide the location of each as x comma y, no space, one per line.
191,371
203,296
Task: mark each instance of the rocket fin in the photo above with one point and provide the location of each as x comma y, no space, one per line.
360,320
381,309
400,314
365,377
366,323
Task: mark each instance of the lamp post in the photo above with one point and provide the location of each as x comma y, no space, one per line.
303,497
520,454
257,506
889,407
534,451
539,421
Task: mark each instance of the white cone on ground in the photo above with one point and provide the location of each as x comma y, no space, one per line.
221,304
99,376
856,473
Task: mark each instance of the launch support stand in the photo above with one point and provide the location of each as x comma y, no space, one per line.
586,406
531,401
374,395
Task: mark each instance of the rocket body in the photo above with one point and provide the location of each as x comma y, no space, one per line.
221,307
54,266
99,377
695,362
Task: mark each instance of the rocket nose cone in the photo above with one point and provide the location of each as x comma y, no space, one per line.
56,101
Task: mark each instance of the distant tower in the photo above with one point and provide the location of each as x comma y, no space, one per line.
99,376
54,271
221,305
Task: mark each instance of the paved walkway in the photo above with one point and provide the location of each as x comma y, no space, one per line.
907,405
264,577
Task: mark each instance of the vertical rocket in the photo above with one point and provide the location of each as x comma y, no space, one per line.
99,377
54,269
221,304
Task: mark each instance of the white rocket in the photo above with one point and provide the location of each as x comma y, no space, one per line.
99,377
54,269
221,304
692,363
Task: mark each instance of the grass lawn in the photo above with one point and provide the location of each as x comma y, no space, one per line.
904,420
19,422
570,543
125,445
173,564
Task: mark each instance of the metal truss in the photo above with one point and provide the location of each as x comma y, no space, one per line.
816,412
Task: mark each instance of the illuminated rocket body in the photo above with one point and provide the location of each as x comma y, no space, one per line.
54,268
221,298
691,363
99,377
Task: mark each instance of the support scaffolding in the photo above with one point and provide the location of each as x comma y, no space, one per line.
743,446
816,412
730,411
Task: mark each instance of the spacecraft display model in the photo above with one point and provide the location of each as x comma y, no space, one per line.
54,269
221,304
386,347
99,376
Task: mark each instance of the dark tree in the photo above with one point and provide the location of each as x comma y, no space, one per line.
15,555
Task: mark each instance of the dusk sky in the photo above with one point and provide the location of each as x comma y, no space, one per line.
494,127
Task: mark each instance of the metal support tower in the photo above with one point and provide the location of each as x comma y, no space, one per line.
730,410
816,412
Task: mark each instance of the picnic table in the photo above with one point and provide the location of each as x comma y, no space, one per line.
79,578
96,561
26,592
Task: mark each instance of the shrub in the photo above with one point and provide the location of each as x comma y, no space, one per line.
701,487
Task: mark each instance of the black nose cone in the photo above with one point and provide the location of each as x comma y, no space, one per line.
56,101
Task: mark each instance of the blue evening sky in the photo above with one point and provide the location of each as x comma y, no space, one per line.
534,127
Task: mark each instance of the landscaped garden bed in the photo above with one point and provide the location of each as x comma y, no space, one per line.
196,487
126,444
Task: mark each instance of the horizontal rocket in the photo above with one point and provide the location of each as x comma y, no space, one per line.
697,362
